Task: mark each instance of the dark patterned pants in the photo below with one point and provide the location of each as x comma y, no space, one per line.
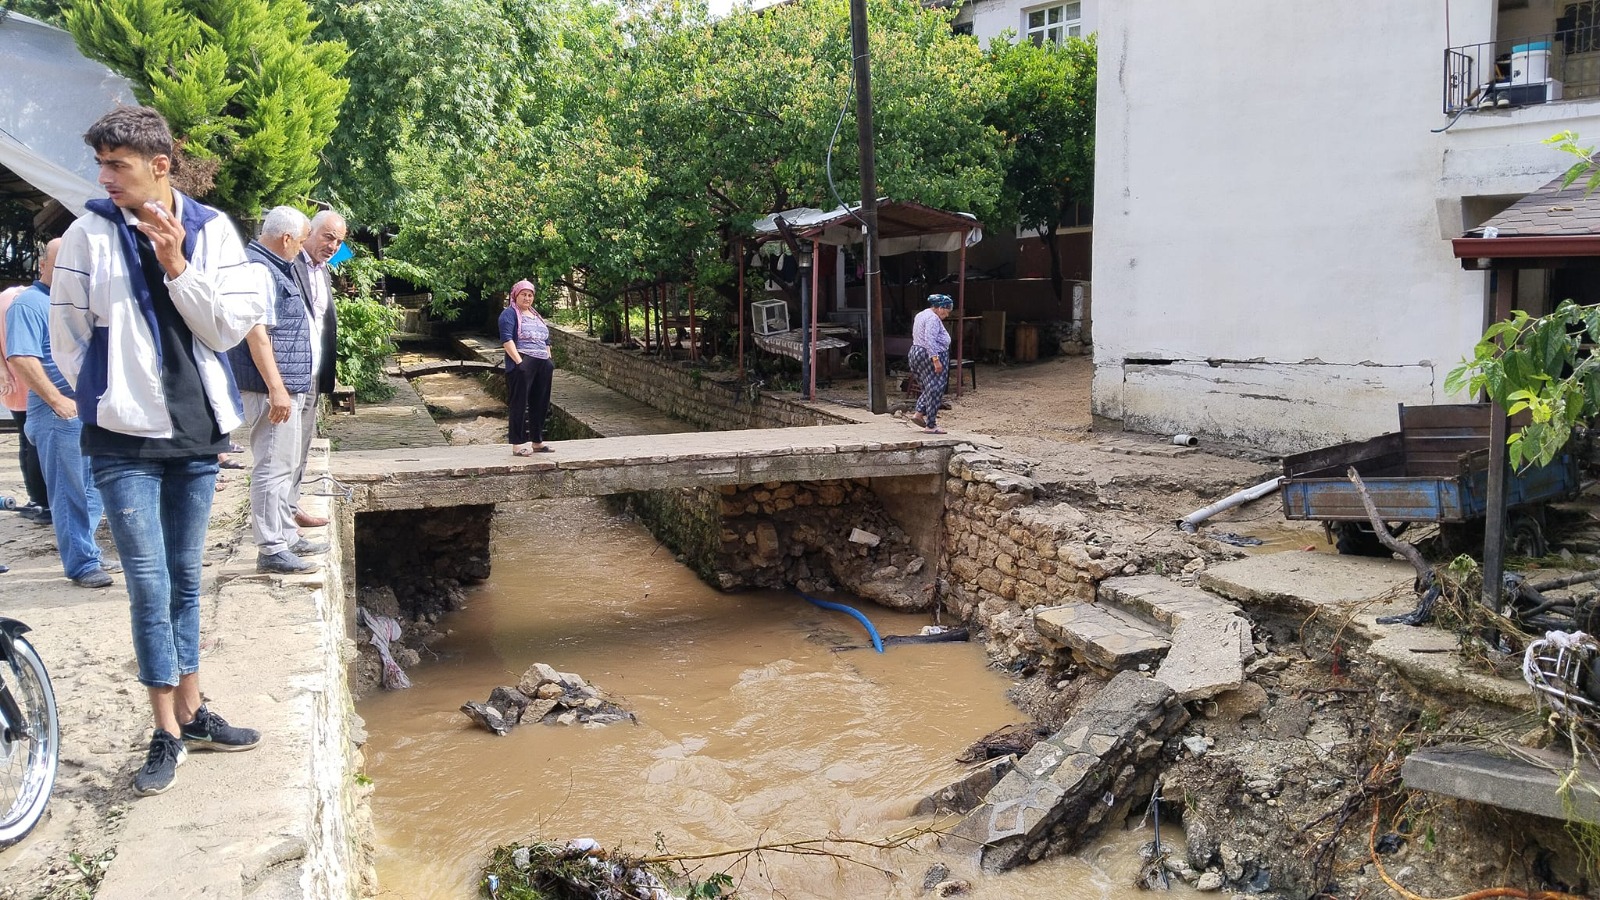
933,383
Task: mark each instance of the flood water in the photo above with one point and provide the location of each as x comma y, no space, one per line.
751,729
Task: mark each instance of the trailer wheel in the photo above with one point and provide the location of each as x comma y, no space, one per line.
1358,539
1524,537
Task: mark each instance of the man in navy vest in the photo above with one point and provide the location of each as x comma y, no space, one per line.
273,370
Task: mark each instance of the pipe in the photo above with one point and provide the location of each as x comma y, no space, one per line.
1185,440
877,642
1192,521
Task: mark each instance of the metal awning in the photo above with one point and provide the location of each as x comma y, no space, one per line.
902,227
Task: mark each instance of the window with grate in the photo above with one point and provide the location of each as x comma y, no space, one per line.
1057,23
1579,27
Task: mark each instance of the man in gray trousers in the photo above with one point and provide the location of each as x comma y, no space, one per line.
273,371
328,230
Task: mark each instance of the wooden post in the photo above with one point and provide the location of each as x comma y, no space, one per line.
738,248
627,326
961,317
645,302
877,363
816,291
694,332
1504,285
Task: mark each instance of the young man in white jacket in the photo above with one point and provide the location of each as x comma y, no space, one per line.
152,288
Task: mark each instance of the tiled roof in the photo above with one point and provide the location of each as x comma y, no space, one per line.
1551,211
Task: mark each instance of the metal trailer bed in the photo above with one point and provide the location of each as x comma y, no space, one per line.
1434,469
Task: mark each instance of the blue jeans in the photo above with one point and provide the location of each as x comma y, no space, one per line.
158,510
74,502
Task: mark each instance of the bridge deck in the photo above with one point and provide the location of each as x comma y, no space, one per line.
486,474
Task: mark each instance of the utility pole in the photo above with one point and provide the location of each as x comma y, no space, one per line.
877,374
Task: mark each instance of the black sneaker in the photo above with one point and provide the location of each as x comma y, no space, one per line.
210,731
160,766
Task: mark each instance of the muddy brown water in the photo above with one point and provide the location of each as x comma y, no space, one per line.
751,729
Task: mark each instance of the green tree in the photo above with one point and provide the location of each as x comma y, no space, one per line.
43,10
1046,110
1587,166
433,83
659,135
243,84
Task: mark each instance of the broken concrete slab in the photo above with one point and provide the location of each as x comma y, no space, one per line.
1430,658
1161,600
1526,780
1306,582
1064,788
1363,588
1208,656
1105,638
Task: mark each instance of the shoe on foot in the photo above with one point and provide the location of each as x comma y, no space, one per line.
304,547
38,516
284,563
111,567
160,765
29,510
210,731
306,520
94,578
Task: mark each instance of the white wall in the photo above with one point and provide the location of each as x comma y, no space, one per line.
1272,214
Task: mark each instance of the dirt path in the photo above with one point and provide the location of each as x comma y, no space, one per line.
83,637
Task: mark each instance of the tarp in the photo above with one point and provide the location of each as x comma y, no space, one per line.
49,96
902,227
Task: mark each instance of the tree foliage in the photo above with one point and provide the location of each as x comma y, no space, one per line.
43,10
1538,365
1046,110
1586,169
242,83
658,135
433,84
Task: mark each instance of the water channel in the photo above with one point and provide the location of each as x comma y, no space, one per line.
751,728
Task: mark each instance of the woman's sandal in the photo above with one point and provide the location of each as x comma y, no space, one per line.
934,430
522,451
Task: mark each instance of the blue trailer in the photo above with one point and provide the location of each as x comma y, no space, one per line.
1433,470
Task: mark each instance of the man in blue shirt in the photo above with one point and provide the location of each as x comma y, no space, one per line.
53,426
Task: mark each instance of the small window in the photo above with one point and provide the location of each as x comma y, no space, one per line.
1055,23
1579,28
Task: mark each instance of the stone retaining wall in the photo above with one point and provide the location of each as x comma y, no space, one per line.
1007,552
713,401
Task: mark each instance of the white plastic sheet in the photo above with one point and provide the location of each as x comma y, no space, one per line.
49,96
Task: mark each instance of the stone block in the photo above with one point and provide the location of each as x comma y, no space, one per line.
1208,656
1160,600
1531,784
1105,638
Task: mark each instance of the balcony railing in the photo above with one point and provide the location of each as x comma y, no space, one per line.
1541,68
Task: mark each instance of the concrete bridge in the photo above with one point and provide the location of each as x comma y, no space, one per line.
476,475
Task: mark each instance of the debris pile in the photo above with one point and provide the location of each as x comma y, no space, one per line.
545,695
577,870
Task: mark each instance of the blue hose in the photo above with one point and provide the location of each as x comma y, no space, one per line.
877,642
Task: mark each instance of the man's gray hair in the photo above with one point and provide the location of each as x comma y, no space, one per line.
327,215
281,220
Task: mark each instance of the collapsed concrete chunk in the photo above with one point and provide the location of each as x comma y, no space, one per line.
1056,797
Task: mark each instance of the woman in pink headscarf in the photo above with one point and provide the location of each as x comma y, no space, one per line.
526,339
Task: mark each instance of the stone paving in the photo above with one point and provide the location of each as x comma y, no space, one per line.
400,421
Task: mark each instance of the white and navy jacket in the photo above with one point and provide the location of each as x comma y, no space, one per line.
103,331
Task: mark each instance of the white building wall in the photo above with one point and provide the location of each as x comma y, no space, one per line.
991,18
1272,212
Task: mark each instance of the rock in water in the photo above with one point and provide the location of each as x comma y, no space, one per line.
487,716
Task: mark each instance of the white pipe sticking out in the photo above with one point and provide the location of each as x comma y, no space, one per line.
1192,521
